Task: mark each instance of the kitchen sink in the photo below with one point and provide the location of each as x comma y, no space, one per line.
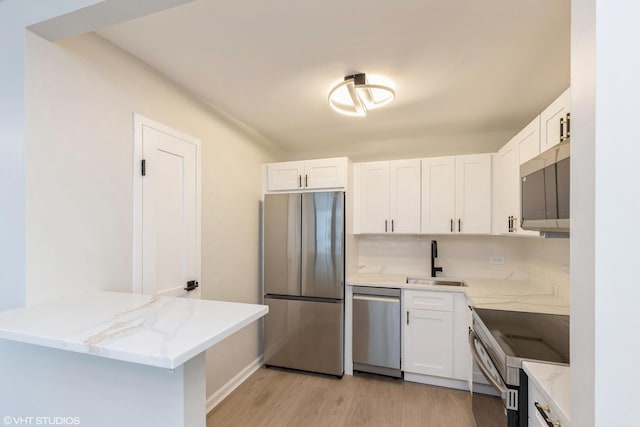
433,281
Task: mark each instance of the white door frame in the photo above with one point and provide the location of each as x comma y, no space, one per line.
139,122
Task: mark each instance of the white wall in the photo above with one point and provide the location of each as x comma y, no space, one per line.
81,94
604,206
14,16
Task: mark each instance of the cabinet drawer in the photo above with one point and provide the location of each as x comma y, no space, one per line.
429,300
549,408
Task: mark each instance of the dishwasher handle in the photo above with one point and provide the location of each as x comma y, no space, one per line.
376,298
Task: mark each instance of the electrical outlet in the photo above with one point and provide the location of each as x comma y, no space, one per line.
496,259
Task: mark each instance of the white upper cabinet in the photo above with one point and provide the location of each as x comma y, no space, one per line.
389,196
307,175
473,193
284,176
528,141
508,162
404,196
374,196
438,194
456,194
550,128
555,121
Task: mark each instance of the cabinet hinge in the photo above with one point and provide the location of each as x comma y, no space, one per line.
143,167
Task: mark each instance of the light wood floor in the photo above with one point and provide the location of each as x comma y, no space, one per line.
275,397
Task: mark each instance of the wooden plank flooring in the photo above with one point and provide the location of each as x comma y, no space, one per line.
274,397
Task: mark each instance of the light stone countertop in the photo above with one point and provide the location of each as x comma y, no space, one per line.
150,330
554,381
501,294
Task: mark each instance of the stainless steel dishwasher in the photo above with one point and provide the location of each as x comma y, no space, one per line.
376,330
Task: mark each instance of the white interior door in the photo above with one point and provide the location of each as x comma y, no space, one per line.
167,209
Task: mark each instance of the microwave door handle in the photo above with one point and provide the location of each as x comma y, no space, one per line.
504,391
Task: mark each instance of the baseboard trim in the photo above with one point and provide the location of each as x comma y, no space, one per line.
233,383
438,381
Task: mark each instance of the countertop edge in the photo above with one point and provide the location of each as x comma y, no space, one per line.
532,369
206,339
181,359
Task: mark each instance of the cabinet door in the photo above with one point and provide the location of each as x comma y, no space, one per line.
285,176
550,120
374,197
508,182
325,173
428,342
473,194
528,141
460,332
438,194
404,203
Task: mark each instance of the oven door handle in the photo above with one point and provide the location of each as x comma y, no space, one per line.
504,391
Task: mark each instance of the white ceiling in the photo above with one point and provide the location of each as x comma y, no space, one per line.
460,66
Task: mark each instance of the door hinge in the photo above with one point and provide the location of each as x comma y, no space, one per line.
143,165
191,285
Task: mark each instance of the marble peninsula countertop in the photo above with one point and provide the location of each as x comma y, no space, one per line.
150,330
531,295
554,381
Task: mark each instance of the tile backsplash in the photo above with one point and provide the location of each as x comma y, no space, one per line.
524,258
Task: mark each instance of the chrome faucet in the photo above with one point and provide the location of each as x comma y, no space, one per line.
434,255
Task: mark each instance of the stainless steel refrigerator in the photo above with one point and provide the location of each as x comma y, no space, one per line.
304,281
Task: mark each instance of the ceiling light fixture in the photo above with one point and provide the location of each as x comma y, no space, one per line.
357,94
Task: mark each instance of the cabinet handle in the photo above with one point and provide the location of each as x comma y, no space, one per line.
300,181
565,132
543,410
306,180
407,317
385,225
452,225
509,224
562,137
392,228
459,225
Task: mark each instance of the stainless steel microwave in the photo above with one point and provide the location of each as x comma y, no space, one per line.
544,191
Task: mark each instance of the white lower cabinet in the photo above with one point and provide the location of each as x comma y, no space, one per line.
435,349
543,411
429,342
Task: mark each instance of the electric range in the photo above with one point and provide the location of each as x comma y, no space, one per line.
500,341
